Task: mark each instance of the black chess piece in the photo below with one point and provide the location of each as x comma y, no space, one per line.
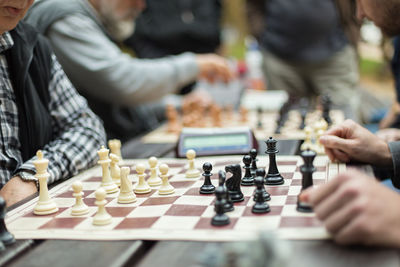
207,187
220,218
253,154
273,176
247,179
261,173
233,183
283,115
259,118
326,108
5,236
303,112
229,204
261,205
307,171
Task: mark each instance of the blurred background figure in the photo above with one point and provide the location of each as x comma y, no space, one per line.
309,48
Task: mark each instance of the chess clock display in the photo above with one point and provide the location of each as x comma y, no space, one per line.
216,141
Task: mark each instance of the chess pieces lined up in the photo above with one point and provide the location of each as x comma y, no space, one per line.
312,136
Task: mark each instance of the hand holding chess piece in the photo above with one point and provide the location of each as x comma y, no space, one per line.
80,208
45,204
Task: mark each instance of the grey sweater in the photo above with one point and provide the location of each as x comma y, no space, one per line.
112,81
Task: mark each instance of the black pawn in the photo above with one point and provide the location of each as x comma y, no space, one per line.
261,173
207,187
303,112
220,218
261,205
229,204
253,154
307,171
247,179
273,176
5,236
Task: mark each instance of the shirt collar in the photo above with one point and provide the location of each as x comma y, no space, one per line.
6,42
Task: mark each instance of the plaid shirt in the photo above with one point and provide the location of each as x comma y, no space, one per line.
79,133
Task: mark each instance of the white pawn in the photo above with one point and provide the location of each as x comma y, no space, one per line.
142,187
166,188
115,170
106,182
154,180
126,194
80,207
307,144
192,172
102,217
45,204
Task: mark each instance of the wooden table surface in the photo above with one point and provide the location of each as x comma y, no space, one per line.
174,253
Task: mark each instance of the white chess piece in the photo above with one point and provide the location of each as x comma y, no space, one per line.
115,170
319,148
80,208
192,172
102,217
166,188
115,147
45,204
107,183
126,194
142,186
307,144
154,180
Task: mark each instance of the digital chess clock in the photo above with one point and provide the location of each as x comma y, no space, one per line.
216,141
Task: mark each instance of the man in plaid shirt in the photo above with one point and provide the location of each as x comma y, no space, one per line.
39,109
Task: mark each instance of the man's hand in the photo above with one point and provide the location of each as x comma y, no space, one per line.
16,190
356,209
350,141
389,134
213,67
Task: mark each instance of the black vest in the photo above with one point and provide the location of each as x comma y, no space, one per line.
29,62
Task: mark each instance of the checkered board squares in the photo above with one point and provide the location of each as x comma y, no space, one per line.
184,215
290,130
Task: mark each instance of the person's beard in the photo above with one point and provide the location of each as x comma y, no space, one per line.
119,27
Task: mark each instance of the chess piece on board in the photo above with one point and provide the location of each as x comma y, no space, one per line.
261,173
166,188
261,205
233,183
106,182
307,170
253,154
221,182
192,172
102,217
154,180
307,144
126,194
207,187
142,187
273,175
115,147
304,103
326,108
45,204
220,218
80,208
115,170
6,238
248,178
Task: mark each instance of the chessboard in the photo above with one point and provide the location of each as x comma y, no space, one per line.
183,215
263,125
